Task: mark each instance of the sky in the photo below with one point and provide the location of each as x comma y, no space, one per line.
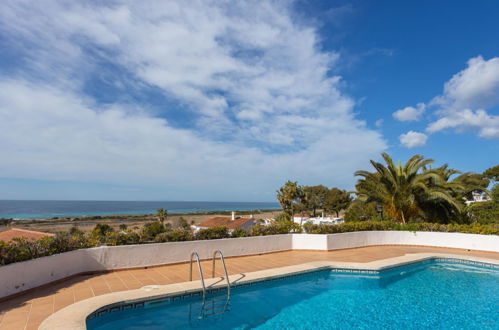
226,100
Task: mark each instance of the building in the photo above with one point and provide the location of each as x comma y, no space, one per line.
478,197
328,220
10,234
231,222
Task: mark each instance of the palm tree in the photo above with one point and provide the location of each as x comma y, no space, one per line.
288,195
162,214
404,191
460,187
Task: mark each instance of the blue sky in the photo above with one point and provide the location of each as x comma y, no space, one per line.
216,100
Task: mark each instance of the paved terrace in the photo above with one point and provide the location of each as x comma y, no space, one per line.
27,311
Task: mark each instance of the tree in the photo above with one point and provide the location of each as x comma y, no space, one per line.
183,224
313,198
486,212
337,200
404,190
460,187
161,214
288,196
152,229
361,211
492,174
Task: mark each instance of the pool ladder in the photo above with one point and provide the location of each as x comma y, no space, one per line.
213,306
201,277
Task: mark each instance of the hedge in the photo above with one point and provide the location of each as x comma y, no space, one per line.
23,249
389,225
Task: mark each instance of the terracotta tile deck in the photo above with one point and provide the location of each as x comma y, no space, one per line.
29,310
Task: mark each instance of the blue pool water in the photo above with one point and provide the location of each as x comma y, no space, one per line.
428,295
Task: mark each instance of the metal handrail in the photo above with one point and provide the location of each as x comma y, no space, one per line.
195,254
225,268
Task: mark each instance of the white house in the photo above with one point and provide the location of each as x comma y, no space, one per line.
328,220
478,197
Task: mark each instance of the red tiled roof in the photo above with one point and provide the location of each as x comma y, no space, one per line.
10,234
224,221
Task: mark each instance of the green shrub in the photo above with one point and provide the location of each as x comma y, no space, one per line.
239,232
361,211
390,225
20,249
101,229
183,224
152,229
212,233
283,217
175,235
122,238
275,228
6,221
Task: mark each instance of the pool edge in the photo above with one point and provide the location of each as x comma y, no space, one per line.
73,317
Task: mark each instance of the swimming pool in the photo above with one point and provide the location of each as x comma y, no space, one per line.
436,294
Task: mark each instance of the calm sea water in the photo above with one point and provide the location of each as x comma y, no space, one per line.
429,295
48,209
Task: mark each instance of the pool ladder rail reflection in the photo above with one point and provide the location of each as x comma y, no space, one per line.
213,305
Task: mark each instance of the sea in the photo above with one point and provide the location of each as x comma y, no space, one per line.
47,209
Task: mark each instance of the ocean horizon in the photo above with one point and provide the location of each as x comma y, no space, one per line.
46,209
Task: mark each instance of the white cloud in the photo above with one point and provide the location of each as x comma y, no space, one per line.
410,113
467,95
254,81
55,135
487,126
413,139
477,86
378,123
466,100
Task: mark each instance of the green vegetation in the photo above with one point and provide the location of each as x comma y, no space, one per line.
22,249
309,199
408,197
486,212
361,211
162,215
391,225
415,192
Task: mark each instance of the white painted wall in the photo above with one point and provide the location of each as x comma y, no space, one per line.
129,256
15,278
310,242
450,240
21,276
29,274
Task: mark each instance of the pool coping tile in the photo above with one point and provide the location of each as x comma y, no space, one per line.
74,316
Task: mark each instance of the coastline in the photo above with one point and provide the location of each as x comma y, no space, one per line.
86,223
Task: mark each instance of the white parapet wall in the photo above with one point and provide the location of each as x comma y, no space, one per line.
449,240
22,276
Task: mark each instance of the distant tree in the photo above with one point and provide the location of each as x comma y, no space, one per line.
359,210
337,200
492,174
102,229
75,231
486,212
152,229
288,196
459,185
183,224
123,226
313,198
162,215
